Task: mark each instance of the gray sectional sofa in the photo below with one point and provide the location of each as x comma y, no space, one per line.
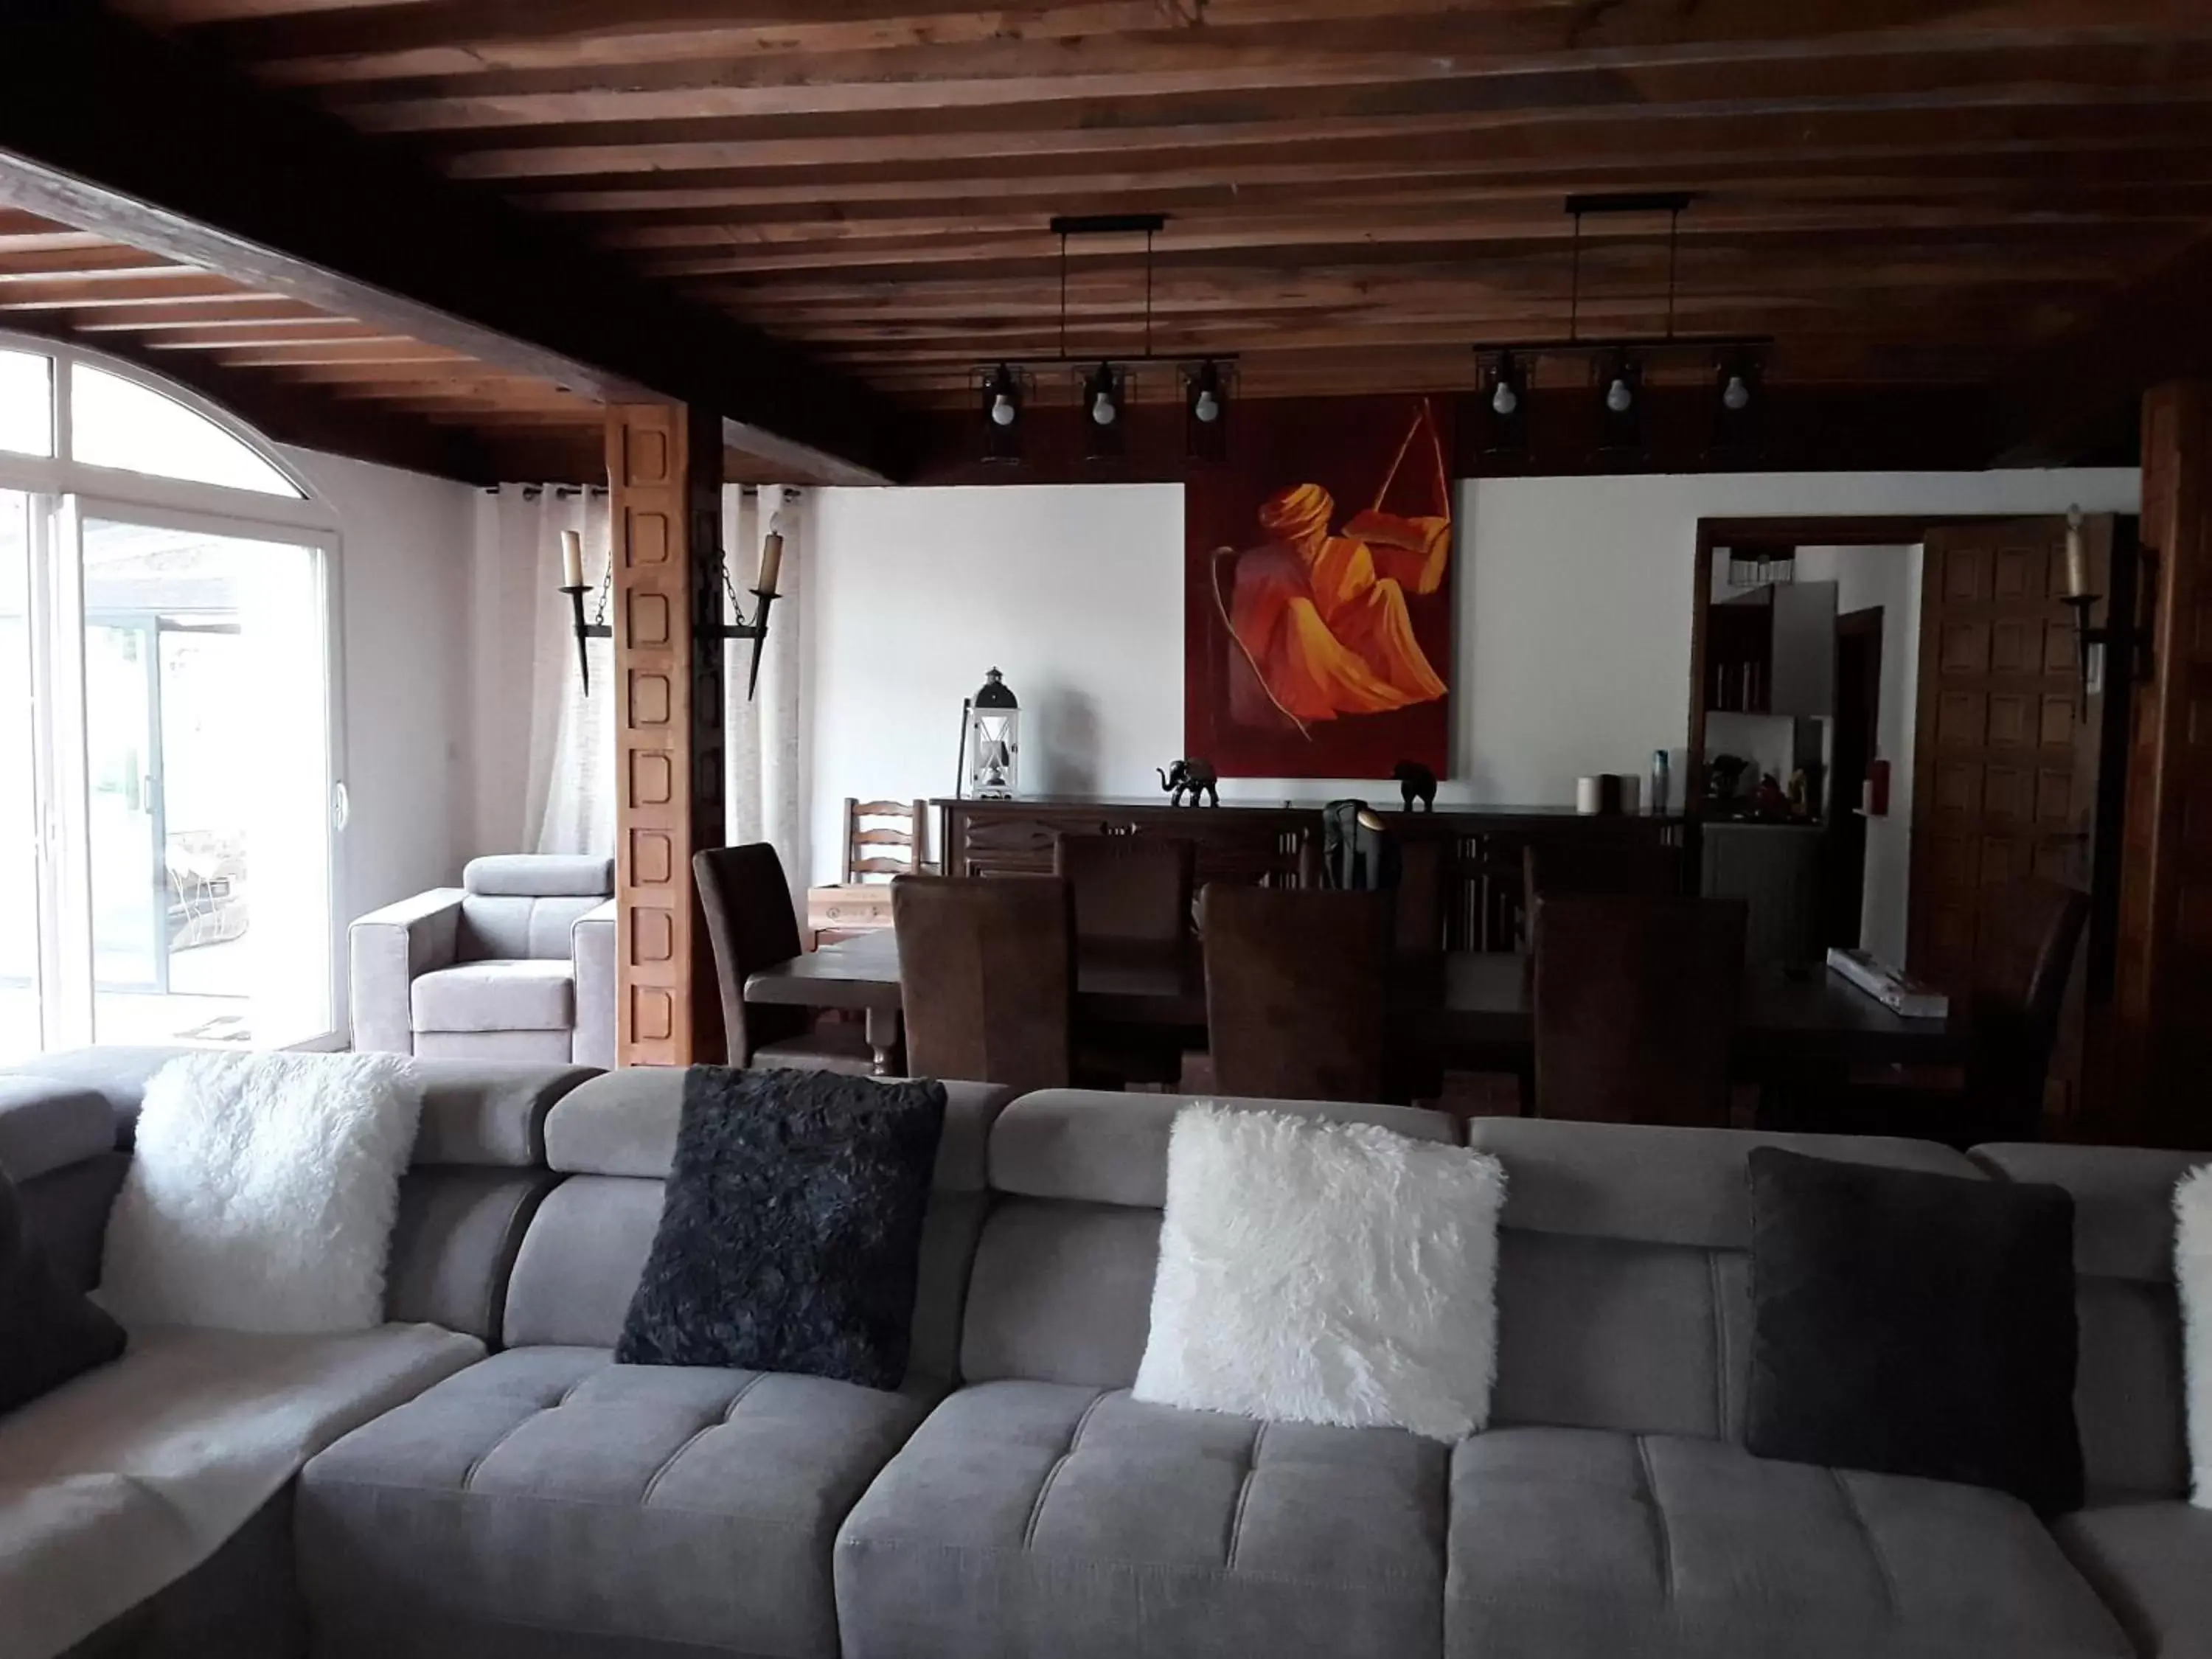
533,1498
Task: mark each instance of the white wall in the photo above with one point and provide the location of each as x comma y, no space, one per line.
1573,651
1888,577
403,565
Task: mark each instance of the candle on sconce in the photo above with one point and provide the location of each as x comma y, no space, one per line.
2077,557
572,559
771,559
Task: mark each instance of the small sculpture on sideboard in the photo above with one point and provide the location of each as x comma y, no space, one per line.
1416,783
1194,778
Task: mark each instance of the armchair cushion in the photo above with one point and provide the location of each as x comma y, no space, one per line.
592,943
540,875
496,996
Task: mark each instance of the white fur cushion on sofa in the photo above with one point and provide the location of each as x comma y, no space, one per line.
2192,1272
1325,1272
262,1193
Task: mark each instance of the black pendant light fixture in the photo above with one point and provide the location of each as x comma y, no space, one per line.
1003,395
1739,408
1205,412
1505,404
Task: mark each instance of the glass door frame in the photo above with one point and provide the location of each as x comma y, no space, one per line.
324,545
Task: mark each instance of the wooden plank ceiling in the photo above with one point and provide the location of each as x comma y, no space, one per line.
1357,190
304,375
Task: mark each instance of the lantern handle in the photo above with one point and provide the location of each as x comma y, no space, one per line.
960,762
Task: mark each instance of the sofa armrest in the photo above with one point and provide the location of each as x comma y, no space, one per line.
385,949
591,948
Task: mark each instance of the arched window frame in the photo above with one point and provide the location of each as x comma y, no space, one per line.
82,491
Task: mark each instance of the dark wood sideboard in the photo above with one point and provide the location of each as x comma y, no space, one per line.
1259,842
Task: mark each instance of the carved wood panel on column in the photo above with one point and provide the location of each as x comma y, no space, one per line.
664,464
2164,972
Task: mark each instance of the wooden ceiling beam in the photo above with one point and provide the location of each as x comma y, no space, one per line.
306,417
461,37
109,127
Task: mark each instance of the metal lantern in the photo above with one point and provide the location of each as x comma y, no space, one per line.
994,747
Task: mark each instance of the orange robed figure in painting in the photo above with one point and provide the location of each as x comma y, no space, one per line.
1320,615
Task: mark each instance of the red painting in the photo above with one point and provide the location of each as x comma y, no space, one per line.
1317,607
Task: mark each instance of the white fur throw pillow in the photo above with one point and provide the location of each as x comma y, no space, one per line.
1315,1271
2192,1272
261,1194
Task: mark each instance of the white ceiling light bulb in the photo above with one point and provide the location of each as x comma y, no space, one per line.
1618,396
1505,400
1002,411
1735,394
1208,407
1102,411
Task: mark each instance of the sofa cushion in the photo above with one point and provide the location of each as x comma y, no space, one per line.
50,1332
791,1233
488,1112
1588,1544
1041,1518
551,1488
1915,1323
2152,1564
123,1481
497,996
117,1074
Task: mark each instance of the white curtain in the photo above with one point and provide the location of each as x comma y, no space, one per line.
765,741
542,751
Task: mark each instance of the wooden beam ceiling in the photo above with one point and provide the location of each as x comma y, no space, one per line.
1900,193
183,164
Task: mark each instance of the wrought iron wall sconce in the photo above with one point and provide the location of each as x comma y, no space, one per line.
754,629
2093,643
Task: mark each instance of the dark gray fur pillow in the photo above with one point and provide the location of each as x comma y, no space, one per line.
791,1230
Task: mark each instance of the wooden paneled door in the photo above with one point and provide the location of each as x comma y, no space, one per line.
2004,781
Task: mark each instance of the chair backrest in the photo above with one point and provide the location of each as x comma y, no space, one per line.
1133,889
751,924
517,906
2030,939
1297,991
987,976
1636,1006
1622,865
883,839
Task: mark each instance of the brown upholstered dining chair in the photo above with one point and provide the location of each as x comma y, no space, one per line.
1129,890
1297,991
987,975
750,924
1636,1006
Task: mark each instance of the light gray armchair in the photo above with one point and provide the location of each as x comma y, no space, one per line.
517,963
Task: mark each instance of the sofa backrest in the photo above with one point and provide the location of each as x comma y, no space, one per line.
524,905
612,1142
2128,1398
1624,1269
475,1178
1062,1285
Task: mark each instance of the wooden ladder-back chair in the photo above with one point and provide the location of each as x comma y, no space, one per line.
883,839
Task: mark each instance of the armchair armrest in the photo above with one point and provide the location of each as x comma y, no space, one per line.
591,948
385,951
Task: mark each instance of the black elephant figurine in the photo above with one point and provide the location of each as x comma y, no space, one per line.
1416,783
1194,778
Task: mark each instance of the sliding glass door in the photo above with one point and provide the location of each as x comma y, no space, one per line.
167,783
167,751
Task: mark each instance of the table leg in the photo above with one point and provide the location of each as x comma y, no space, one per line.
883,1028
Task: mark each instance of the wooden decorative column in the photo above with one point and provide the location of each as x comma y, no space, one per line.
2164,971
665,468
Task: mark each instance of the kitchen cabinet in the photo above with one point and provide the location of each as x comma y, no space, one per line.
1772,651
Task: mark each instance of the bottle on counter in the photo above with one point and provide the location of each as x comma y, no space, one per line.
1659,782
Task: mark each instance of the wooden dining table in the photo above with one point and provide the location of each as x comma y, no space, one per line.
1475,1007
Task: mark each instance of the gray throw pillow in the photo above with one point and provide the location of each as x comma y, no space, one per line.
49,1332
790,1234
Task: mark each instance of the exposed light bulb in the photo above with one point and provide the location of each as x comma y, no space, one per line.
1735,394
1103,412
1208,407
1002,411
1505,400
1618,396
